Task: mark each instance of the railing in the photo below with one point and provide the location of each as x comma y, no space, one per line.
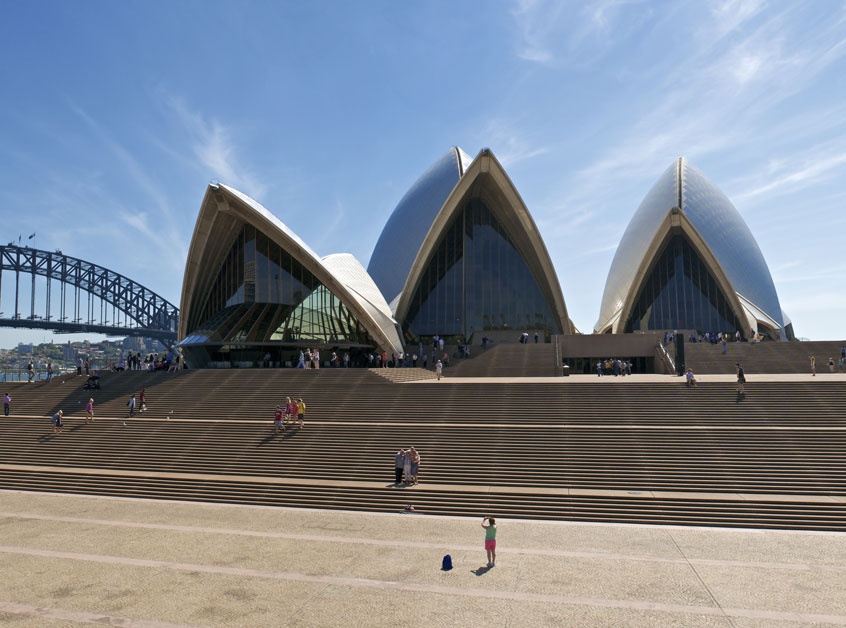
665,357
22,375
558,369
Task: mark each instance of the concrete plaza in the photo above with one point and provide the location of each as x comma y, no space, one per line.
76,561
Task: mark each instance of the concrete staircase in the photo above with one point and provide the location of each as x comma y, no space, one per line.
602,451
405,374
507,360
762,357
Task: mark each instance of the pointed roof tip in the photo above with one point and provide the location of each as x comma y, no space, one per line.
464,160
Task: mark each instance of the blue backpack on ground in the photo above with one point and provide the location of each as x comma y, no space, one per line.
446,565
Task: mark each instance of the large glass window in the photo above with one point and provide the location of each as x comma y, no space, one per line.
476,280
681,293
262,294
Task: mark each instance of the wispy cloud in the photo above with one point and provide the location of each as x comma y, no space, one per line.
730,14
508,143
166,239
214,149
790,175
700,112
551,32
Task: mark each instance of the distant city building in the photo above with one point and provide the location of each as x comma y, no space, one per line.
68,352
24,348
134,343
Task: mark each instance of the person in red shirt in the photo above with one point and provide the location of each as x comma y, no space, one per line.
277,419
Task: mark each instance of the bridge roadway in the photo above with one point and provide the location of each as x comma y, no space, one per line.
637,450
84,289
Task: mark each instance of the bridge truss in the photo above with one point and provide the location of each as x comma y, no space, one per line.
85,296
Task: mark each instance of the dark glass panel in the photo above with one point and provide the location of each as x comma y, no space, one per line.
681,293
262,294
476,280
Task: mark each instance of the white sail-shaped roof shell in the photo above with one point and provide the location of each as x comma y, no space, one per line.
406,228
713,221
223,212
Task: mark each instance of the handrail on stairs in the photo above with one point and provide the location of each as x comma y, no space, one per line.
557,370
666,358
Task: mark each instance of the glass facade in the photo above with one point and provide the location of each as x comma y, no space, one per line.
263,295
476,280
681,294
719,223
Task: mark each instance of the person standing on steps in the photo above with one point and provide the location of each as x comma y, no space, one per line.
399,464
490,539
78,365
31,370
741,379
57,422
813,365
89,410
301,409
277,419
7,404
536,337
415,465
142,399
439,369
406,466
131,404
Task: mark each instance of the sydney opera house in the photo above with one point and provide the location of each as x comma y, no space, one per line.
461,257
688,261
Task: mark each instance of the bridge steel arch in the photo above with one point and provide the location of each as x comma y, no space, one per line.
143,312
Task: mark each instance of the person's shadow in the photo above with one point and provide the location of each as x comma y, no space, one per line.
481,571
280,436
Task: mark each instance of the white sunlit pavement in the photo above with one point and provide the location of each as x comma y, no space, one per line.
77,561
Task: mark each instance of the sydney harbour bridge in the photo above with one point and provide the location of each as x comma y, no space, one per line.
53,291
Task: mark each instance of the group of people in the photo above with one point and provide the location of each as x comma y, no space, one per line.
691,382
170,362
613,367
292,413
406,467
718,338
30,371
524,338
840,365
141,404
309,359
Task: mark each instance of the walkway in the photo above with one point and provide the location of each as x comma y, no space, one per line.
72,561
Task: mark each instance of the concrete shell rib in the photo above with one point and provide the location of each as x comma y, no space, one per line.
717,230
223,212
409,223
485,178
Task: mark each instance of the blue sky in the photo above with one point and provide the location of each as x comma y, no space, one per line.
116,115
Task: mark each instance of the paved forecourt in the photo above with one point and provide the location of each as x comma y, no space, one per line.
81,561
